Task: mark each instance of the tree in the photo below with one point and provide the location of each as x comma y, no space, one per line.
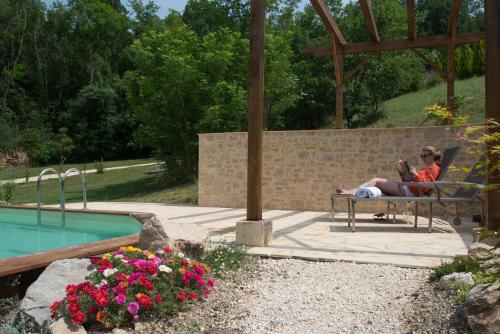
64,146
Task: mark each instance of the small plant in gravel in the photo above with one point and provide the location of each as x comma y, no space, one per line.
6,304
130,284
486,278
462,290
459,264
225,257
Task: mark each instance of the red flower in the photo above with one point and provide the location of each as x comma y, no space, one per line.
55,306
145,283
199,271
71,289
144,300
100,298
182,295
95,260
85,287
193,295
78,317
72,299
158,299
152,270
72,308
167,250
211,282
185,263
120,277
206,293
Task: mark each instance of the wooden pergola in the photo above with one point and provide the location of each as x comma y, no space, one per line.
339,47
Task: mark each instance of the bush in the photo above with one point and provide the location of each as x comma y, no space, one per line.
6,304
485,278
7,191
99,166
130,284
459,264
462,290
225,257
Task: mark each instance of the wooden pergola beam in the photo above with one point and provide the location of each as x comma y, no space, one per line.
356,69
369,20
410,10
492,72
403,44
454,11
431,63
327,18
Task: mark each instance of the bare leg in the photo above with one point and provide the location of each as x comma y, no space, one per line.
389,187
370,183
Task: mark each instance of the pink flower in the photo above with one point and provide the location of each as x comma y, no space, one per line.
199,271
189,274
133,307
211,282
158,299
136,318
120,299
185,280
206,293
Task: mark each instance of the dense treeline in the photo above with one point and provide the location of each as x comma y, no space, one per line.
94,79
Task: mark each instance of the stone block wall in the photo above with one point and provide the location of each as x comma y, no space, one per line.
301,168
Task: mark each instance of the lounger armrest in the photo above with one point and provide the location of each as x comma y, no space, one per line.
459,184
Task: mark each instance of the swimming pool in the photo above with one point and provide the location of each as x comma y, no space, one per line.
20,234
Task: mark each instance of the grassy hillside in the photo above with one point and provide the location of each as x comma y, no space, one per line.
408,110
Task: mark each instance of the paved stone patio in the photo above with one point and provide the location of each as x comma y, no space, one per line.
312,235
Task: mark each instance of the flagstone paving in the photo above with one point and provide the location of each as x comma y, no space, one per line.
312,235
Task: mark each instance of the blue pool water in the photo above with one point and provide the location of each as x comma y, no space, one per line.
20,234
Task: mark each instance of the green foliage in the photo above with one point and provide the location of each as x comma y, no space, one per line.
486,233
6,305
462,290
7,191
486,278
99,167
64,145
459,264
225,257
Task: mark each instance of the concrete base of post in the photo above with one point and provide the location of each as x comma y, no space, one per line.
254,233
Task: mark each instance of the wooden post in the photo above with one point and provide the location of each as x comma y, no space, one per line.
339,90
492,71
256,109
450,87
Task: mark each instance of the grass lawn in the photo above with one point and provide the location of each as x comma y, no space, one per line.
14,173
124,185
408,110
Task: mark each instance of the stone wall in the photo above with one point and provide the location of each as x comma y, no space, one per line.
301,168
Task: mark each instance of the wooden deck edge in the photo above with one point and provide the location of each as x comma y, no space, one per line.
27,262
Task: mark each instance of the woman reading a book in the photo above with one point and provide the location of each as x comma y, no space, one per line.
428,173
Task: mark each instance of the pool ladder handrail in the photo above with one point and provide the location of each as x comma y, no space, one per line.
61,195
84,184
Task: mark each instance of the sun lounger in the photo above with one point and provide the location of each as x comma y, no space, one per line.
447,158
466,192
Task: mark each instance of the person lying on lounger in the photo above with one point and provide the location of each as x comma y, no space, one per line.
428,173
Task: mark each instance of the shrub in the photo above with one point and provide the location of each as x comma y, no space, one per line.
485,278
99,166
459,264
6,304
7,191
130,284
225,257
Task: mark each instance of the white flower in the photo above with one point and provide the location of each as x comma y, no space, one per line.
180,255
188,259
103,282
108,272
165,269
161,251
119,256
124,261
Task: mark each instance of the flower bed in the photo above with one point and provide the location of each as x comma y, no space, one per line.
132,283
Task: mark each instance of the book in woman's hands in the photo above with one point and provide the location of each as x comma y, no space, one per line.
405,172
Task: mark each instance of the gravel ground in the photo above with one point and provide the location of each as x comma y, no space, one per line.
293,296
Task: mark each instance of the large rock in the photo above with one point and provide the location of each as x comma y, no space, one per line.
64,326
34,311
446,281
480,251
157,233
483,309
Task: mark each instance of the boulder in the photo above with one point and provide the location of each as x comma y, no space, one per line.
158,233
483,310
480,251
64,326
34,310
446,281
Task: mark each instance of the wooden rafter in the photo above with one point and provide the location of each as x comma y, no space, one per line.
410,9
369,20
417,43
452,24
327,18
431,63
355,70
